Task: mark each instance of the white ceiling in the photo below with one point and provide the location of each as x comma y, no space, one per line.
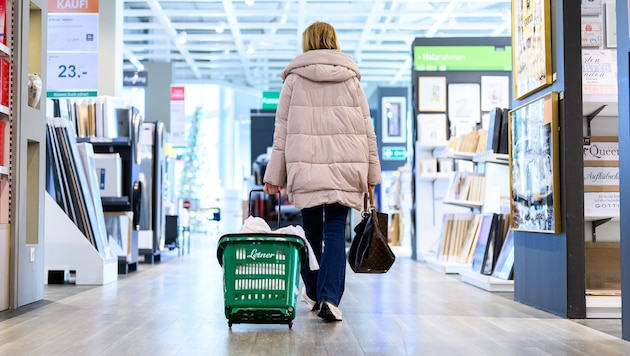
258,40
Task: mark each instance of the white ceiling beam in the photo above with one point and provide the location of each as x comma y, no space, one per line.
238,38
346,26
506,26
405,70
441,18
133,59
373,17
172,33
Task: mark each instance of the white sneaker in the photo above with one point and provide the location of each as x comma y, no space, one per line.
329,312
313,305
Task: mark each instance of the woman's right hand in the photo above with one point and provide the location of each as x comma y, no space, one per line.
271,189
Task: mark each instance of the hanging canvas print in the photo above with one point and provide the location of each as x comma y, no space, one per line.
432,94
534,165
531,48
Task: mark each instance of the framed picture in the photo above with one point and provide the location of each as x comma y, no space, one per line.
393,119
531,46
591,33
534,165
431,127
495,92
464,103
432,94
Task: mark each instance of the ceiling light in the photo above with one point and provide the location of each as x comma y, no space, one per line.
220,28
250,49
183,37
249,2
452,22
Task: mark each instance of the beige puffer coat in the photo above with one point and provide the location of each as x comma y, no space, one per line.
324,147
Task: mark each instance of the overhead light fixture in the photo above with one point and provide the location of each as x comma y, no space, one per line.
182,37
250,49
220,28
452,22
249,2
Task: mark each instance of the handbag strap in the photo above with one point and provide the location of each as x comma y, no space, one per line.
371,194
368,197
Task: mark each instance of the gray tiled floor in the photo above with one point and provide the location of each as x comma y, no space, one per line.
175,307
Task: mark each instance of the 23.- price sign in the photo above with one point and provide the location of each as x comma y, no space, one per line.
70,72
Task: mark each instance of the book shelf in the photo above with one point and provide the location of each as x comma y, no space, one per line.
482,192
600,112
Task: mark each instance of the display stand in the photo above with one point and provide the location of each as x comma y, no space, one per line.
127,260
69,250
446,267
603,307
487,283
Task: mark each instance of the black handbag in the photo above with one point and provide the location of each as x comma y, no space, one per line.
369,251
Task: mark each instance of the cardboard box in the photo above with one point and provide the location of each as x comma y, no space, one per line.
109,173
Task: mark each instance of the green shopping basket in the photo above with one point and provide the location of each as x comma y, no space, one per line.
261,276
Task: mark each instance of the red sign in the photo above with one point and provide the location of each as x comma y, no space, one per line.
186,204
177,93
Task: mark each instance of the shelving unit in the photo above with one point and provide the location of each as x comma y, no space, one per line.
130,171
24,184
5,180
600,112
5,177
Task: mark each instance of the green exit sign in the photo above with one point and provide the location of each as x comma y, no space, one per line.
394,153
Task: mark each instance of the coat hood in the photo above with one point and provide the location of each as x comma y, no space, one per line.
323,65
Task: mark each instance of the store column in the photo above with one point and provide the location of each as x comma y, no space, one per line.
157,94
110,48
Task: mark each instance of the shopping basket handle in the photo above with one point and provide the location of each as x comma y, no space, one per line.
262,191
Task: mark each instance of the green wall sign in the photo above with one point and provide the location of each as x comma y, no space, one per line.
270,100
394,153
462,58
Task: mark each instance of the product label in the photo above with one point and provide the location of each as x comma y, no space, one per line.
601,204
601,179
601,151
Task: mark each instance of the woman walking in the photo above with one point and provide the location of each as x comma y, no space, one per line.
324,155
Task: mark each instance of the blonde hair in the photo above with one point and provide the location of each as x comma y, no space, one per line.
319,35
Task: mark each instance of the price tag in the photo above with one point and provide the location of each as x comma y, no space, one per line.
72,71
73,32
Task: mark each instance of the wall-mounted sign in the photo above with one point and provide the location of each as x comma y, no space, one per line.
394,153
270,100
138,79
462,58
72,48
178,116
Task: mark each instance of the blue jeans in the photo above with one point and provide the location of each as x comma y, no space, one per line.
325,227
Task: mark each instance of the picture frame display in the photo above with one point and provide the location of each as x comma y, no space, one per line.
464,103
394,119
495,92
534,165
531,46
432,94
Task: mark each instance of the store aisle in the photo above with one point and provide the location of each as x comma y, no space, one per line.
176,308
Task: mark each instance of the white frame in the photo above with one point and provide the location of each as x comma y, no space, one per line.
386,124
491,84
464,95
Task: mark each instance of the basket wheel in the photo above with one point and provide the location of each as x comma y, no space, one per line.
230,324
290,325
